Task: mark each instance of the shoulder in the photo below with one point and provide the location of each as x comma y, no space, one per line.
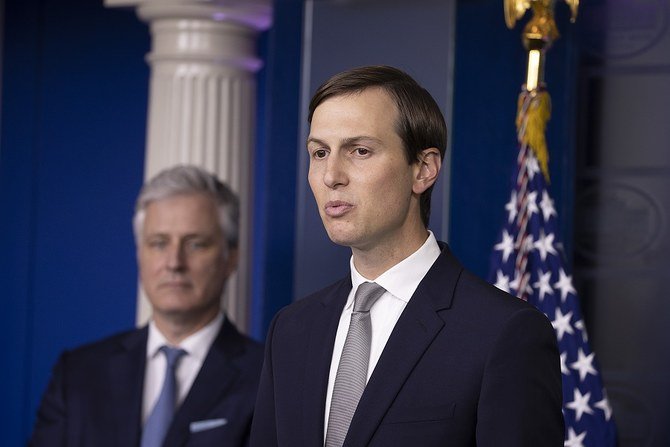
108,345
84,365
331,295
489,298
502,318
477,301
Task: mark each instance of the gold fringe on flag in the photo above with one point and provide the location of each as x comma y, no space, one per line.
531,122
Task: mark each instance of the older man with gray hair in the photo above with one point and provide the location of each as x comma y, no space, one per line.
188,377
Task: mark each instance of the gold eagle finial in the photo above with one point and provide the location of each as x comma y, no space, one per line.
515,9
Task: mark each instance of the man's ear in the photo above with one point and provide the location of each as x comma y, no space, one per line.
231,261
427,169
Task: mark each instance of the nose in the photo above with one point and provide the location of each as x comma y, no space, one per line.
334,173
176,257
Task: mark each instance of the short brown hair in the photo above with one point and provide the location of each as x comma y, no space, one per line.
420,122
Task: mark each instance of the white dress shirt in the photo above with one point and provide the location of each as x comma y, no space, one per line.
196,346
400,282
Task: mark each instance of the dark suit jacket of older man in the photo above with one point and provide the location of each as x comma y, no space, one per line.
95,395
465,365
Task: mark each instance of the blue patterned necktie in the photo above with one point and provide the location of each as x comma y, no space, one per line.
352,371
160,418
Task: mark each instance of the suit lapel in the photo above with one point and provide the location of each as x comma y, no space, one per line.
415,330
126,382
216,375
321,336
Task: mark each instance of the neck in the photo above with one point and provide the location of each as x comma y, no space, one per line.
374,261
175,328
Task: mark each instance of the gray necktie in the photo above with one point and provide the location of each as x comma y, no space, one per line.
160,418
353,368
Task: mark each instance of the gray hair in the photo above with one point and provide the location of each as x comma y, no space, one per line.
186,179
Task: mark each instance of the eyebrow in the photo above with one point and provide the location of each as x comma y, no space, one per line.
167,234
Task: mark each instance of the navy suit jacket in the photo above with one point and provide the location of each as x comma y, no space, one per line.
95,394
465,365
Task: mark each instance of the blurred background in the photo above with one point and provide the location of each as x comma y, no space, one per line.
75,131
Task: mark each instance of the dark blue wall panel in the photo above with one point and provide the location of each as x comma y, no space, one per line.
17,169
73,131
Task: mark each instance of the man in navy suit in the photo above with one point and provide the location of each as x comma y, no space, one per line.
451,360
103,394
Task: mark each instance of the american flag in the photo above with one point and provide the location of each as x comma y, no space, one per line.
528,262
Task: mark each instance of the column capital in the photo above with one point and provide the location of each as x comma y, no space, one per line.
254,14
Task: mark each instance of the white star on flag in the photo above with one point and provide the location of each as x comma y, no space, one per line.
511,207
547,206
506,245
580,325
584,364
542,284
564,366
574,439
502,281
533,167
531,203
527,243
565,284
516,285
545,244
580,404
561,324
605,406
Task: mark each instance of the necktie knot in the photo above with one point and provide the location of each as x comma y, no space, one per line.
172,355
366,296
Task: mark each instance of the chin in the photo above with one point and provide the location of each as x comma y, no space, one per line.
343,238
172,302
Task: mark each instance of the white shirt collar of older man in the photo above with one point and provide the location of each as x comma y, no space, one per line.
196,345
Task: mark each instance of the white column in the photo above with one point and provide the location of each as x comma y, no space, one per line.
202,103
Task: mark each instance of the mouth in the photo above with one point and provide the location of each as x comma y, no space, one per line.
337,208
175,285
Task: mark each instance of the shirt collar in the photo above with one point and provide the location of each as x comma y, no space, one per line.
196,344
402,279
